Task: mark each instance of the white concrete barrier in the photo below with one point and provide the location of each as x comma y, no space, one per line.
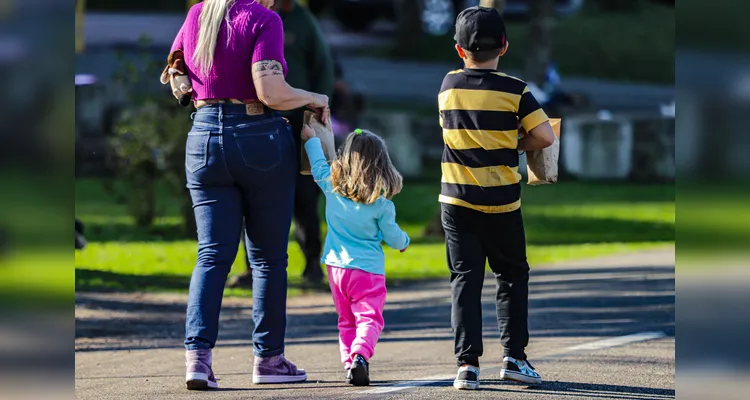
597,149
404,146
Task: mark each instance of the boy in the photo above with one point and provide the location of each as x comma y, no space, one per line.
480,112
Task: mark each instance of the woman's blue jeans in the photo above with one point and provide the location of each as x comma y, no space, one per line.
240,166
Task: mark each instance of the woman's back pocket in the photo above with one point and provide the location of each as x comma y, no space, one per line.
196,151
261,151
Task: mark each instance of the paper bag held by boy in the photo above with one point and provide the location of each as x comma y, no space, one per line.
541,165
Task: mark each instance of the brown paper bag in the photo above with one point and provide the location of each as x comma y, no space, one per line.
325,134
541,165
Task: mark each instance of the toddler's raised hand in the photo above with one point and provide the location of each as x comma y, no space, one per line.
307,132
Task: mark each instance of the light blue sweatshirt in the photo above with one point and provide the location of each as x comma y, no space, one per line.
355,231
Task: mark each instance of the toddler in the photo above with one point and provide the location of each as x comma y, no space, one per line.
358,187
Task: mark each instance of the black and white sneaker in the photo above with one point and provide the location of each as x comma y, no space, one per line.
519,371
467,378
359,373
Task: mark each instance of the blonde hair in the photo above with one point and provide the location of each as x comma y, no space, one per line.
213,14
363,171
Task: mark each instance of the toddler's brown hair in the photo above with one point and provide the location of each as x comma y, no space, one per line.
363,171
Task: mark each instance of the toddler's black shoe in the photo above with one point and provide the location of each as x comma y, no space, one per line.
359,374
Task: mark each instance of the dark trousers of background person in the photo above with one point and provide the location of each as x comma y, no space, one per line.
240,166
471,239
306,218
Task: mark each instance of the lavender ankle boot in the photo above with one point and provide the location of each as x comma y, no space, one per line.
277,370
199,375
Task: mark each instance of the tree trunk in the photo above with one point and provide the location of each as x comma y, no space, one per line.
80,15
409,26
539,51
188,217
499,4
142,195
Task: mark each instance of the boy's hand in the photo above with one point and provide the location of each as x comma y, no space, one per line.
307,133
404,249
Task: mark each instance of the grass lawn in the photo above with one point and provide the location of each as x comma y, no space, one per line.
627,46
564,221
37,277
35,245
714,229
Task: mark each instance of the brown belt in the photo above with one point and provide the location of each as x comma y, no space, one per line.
252,107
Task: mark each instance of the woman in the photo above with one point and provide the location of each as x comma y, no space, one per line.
240,162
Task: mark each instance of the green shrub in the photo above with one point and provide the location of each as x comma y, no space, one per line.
635,46
149,143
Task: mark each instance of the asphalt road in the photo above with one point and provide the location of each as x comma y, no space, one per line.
599,329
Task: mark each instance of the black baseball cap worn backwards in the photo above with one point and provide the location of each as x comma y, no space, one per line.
480,29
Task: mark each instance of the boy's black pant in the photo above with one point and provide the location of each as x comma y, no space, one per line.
472,238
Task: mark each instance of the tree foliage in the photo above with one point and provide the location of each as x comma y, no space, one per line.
149,142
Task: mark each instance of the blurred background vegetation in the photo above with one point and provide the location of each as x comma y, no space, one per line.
633,41
630,40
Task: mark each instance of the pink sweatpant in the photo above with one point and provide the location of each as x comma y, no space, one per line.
359,298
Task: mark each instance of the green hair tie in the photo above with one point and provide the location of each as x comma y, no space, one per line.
358,131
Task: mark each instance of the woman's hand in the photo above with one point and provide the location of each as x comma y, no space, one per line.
307,133
325,116
320,104
319,101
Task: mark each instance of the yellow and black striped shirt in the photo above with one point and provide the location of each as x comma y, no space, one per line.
479,114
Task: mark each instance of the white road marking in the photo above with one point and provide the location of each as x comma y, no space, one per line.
591,346
618,341
407,385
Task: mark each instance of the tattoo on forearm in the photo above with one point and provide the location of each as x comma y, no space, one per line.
264,74
267,65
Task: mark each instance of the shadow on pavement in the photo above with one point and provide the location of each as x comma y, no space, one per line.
586,390
106,281
566,389
563,303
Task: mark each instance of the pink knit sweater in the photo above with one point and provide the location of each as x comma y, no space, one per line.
256,35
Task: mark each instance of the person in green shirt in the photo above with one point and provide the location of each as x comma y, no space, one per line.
311,68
